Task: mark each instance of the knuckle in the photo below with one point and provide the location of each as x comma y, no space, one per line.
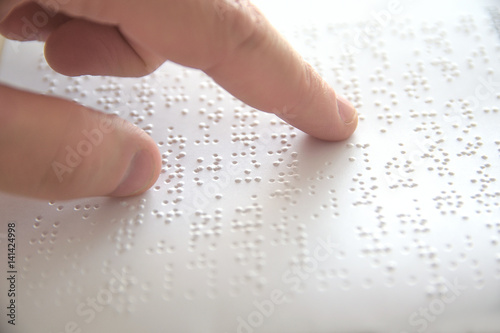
240,26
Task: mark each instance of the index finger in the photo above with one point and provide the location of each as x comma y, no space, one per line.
264,71
231,41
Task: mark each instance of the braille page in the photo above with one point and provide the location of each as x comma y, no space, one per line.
2,40
253,226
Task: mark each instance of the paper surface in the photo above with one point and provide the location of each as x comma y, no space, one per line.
255,227
2,40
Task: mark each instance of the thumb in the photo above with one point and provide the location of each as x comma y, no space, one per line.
51,148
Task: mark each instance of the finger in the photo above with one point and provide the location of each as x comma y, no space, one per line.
98,50
54,149
31,21
264,71
232,42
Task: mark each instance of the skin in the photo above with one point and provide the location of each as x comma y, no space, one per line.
227,39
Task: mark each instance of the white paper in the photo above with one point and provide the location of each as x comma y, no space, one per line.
254,226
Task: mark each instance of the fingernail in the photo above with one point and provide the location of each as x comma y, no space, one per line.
347,111
138,176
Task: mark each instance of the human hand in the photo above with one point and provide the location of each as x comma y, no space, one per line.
229,40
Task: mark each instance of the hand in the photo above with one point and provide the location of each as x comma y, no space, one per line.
230,40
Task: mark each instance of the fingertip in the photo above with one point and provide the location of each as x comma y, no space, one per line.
347,119
334,120
346,110
325,116
142,172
